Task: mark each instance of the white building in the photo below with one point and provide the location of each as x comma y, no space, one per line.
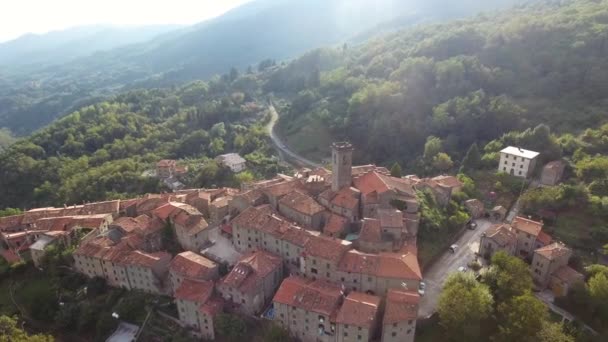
517,161
233,161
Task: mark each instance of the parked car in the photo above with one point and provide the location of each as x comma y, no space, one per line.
472,225
453,248
462,269
421,288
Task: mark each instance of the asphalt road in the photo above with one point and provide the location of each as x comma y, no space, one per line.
435,276
285,153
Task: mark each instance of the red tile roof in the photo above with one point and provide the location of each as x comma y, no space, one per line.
192,265
301,203
449,181
250,272
568,275
554,250
10,221
370,231
346,198
283,188
212,306
527,226
359,309
166,163
318,296
141,259
371,182
194,291
502,234
335,225
401,306
326,248
384,265
544,238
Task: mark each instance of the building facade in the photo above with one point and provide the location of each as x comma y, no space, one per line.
517,161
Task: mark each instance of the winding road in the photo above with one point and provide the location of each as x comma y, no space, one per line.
285,153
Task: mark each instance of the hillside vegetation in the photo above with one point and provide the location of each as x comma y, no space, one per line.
32,97
463,82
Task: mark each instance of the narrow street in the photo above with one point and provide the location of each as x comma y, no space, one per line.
285,153
435,276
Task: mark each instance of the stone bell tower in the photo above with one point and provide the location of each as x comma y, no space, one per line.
342,163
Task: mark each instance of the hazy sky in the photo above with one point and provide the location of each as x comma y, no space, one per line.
39,16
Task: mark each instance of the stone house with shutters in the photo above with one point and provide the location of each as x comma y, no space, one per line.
252,282
400,314
303,209
358,318
499,237
527,232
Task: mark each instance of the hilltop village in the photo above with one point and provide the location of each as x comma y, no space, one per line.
327,255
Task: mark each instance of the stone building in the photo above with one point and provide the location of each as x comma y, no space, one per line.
527,232
342,163
400,314
191,266
306,308
517,161
499,237
547,260
372,239
475,207
303,209
165,168
336,226
197,306
552,172
233,161
357,319
252,282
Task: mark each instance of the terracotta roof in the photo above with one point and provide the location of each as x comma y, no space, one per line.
108,207
297,236
554,250
326,248
400,184
194,291
251,215
318,296
359,309
54,223
302,203
555,165
401,306
361,169
193,223
141,259
249,273
192,265
392,218
335,225
165,211
131,224
124,204
370,182
370,230
475,203
10,221
212,306
149,204
568,275
385,265
449,181
502,234
283,188
544,238
166,163
527,226
346,198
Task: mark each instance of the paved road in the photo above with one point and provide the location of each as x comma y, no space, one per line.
435,276
285,153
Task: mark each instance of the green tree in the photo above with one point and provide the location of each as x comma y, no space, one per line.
521,318
10,212
509,276
442,162
472,160
10,332
598,288
432,147
464,304
230,327
553,332
396,170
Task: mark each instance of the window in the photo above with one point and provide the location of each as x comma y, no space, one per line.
369,278
409,322
342,279
520,173
313,270
394,334
359,328
345,334
394,325
358,337
314,262
409,331
504,168
345,326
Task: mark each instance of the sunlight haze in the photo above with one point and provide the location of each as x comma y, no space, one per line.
41,16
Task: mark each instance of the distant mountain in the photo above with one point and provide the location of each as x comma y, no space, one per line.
277,29
66,45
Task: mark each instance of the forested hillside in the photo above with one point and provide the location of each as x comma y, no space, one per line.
278,29
463,82
102,150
